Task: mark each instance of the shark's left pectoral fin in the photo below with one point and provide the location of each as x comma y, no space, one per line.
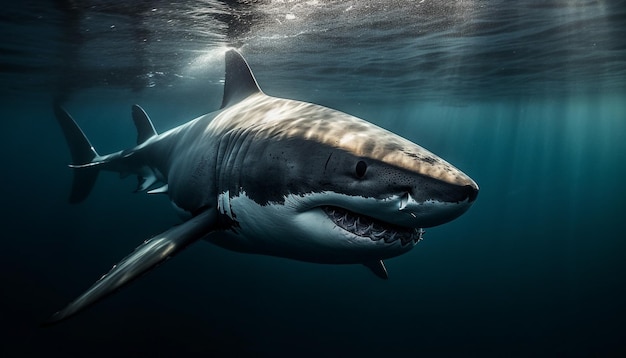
378,268
145,257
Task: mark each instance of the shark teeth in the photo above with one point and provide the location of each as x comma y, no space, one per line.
374,229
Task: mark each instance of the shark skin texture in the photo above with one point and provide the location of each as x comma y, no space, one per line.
274,176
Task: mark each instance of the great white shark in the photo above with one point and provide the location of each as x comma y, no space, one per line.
277,177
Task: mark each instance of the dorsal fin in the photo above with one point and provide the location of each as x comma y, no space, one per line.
240,82
145,129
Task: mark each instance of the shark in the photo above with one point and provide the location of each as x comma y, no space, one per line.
273,176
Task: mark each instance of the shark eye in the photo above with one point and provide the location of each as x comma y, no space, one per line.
361,168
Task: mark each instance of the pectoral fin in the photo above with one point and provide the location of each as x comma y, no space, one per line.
145,257
378,268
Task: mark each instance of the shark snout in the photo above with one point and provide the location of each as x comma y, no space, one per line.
466,193
434,205
470,192
432,189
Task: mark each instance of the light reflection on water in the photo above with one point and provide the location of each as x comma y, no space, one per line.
404,50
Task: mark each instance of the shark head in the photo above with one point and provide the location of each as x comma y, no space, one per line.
308,182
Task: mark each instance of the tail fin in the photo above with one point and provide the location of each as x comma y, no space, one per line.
82,153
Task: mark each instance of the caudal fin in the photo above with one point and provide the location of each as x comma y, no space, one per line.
82,153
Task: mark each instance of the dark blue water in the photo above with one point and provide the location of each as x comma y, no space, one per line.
526,97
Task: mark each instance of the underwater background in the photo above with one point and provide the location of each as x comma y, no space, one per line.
526,97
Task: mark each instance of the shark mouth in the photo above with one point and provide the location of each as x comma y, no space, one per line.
376,230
